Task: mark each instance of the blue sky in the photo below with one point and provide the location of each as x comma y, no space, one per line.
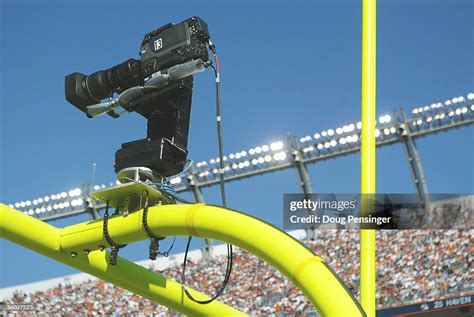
286,67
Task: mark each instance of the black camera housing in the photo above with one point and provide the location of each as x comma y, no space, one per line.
165,149
171,44
167,109
165,47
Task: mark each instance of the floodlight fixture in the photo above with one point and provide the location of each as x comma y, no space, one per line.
276,146
280,156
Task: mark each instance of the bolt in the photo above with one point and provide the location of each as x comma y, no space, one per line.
73,254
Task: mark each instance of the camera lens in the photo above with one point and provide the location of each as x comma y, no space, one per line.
83,91
97,86
103,83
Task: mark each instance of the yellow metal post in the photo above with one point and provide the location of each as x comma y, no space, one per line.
367,151
307,270
44,238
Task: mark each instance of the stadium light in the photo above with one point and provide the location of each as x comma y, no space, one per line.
276,146
272,155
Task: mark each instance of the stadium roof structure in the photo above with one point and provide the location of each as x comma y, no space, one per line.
332,143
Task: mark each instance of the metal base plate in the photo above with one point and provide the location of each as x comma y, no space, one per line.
130,197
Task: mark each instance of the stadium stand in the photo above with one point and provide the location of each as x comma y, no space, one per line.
414,266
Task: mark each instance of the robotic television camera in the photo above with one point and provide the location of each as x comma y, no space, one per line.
159,87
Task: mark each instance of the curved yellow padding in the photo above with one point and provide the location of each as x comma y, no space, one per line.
308,271
44,238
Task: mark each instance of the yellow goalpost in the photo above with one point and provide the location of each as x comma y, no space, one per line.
78,245
292,258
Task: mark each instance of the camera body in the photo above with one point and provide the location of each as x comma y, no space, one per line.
167,109
171,44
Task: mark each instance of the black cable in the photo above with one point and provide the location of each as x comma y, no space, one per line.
223,196
167,253
115,247
219,126
154,240
224,283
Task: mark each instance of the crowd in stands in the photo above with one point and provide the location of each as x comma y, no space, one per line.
413,266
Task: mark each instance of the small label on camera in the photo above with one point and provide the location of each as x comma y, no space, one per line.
158,43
